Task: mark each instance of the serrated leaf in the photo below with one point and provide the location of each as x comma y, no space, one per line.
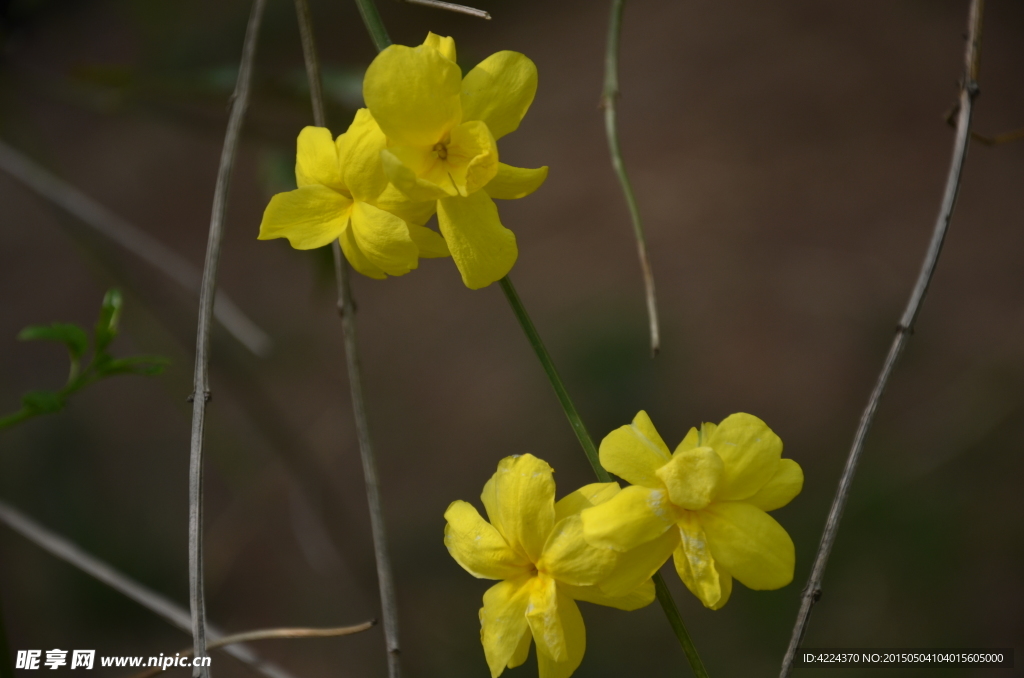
72,336
110,315
42,402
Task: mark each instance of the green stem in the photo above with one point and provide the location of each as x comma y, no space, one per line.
374,24
664,595
556,382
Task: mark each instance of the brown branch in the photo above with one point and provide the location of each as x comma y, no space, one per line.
968,91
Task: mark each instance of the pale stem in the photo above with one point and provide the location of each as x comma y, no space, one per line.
134,239
64,549
201,385
347,311
451,7
968,91
608,102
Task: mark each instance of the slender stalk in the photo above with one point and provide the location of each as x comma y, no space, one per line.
374,24
201,389
451,7
664,595
347,311
611,128
133,239
968,91
267,634
163,607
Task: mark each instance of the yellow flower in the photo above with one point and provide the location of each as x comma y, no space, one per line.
343,193
442,131
705,503
536,547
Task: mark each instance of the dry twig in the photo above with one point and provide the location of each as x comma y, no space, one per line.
347,309
160,605
968,91
201,390
451,7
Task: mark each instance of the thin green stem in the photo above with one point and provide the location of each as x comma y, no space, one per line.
556,381
374,24
664,595
608,100
675,620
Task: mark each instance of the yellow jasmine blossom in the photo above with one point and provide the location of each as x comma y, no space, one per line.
442,131
706,503
342,193
535,546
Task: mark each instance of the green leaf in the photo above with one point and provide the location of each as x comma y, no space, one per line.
110,316
73,336
148,365
42,402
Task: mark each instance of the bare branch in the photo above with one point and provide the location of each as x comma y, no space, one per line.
451,7
608,103
968,92
267,634
133,239
163,607
201,390
346,308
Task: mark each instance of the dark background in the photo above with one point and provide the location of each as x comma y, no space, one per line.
789,159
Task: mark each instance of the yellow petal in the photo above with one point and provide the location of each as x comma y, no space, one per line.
569,558
749,544
503,621
316,159
692,477
695,564
413,212
359,156
445,46
499,91
511,183
635,452
430,242
518,657
384,239
404,177
638,565
355,256
482,248
413,93
478,547
583,498
310,217
641,596
780,490
751,452
472,156
634,516
520,502
691,441
575,642
543,618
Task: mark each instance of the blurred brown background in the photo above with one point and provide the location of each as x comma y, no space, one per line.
789,159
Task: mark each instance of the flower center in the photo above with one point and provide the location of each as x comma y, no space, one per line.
441,150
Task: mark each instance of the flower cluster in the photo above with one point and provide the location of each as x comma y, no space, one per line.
704,504
426,143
